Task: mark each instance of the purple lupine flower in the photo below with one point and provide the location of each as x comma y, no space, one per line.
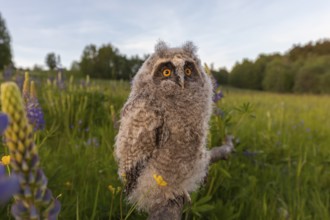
93,142
4,121
33,200
84,83
35,114
33,109
42,196
19,79
9,185
217,96
248,153
8,72
217,92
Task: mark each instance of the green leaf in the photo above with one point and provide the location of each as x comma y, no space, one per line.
203,208
203,200
225,172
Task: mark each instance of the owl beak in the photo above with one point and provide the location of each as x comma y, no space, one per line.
181,81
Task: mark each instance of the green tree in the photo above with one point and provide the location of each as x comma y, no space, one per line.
278,76
107,62
5,49
88,60
259,69
309,77
222,76
242,75
319,48
325,83
75,66
51,61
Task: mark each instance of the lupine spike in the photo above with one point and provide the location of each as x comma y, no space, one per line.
33,90
4,121
25,164
33,109
18,157
27,192
87,80
26,86
59,76
9,185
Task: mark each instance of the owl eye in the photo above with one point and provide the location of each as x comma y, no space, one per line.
187,71
167,72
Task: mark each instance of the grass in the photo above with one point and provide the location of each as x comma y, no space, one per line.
283,172
279,171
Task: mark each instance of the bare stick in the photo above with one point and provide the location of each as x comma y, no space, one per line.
222,152
172,210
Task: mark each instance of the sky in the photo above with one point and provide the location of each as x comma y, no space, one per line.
225,31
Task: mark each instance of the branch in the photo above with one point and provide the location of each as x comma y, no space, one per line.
173,210
222,152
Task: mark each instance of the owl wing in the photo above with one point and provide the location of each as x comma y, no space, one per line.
139,135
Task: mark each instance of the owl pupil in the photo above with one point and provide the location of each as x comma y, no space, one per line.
166,72
188,71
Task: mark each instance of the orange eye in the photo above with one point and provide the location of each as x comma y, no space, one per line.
187,71
167,72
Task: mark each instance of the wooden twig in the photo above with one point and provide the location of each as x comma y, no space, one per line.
173,210
223,152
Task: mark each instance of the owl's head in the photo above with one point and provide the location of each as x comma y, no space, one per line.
171,71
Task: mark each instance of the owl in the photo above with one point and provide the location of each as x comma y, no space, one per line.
161,144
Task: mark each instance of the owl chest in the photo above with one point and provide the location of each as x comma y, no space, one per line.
182,131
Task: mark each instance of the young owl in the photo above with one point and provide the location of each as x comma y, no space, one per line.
160,147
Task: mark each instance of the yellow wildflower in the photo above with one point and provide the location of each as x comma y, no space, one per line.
5,160
159,180
123,177
112,189
68,184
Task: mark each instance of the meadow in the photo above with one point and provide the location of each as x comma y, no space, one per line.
280,169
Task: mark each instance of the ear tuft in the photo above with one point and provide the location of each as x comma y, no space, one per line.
161,48
189,47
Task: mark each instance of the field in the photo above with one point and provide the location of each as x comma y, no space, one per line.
280,169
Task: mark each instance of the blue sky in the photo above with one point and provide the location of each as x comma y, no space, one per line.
224,31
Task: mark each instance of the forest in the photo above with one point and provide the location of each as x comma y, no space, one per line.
303,69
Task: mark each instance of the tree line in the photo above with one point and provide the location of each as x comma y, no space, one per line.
107,62
104,62
302,69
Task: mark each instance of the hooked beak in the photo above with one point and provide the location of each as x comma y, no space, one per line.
181,81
